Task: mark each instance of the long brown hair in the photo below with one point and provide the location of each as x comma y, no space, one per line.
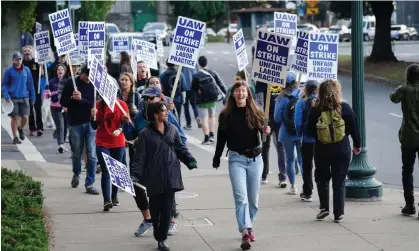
124,58
254,116
330,96
131,78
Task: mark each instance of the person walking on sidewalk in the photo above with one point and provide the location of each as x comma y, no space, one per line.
56,108
241,126
331,121
307,149
155,81
207,85
111,141
408,96
17,88
156,165
241,75
35,115
190,99
142,76
284,117
79,104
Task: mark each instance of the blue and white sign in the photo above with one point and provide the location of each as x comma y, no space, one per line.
83,40
145,51
240,48
120,44
159,43
299,61
119,174
323,56
43,46
74,4
62,31
271,57
103,83
38,27
75,55
186,42
96,36
285,23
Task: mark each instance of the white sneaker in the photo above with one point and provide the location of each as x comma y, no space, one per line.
292,191
172,229
264,181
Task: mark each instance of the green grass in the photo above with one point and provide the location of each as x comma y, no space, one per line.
394,71
22,218
215,39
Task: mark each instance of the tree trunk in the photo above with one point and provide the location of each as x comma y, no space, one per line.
381,49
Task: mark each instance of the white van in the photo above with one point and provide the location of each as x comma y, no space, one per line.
368,27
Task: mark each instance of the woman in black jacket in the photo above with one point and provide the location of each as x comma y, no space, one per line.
156,165
241,127
332,155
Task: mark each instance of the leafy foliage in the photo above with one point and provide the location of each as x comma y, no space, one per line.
343,8
95,10
25,12
201,10
22,218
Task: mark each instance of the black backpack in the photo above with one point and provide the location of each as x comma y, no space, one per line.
289,118
208,88
168,85
307,107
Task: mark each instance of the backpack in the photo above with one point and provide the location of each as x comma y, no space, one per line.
307,106
168,85
289,119
208,88
330,127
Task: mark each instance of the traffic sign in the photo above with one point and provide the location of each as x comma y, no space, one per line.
312,11
312,4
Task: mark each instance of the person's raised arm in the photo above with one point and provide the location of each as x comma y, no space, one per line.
397,95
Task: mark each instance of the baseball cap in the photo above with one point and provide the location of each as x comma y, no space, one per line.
312,84
85,70
17,55
152,91
291,77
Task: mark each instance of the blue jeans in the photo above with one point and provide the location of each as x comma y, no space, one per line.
118,154
290,147
245,177
81,136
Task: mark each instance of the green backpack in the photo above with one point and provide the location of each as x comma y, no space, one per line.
330,127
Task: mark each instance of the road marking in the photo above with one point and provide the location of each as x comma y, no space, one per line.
226,52
232,65
210,52
396,115
27,149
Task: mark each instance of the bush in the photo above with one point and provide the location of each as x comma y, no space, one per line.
22,218
215,39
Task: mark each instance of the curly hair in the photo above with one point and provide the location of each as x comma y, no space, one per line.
254,116
330,96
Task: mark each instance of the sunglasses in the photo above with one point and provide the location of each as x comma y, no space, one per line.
149,98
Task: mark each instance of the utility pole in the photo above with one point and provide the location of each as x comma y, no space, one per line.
228,21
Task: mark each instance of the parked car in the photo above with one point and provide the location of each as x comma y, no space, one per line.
343,32
307,27
150,30
400,32
368,27
413,33
211,32
233,28
324,30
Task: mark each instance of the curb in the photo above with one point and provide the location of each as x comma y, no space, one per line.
372,78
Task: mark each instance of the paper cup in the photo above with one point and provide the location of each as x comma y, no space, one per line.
7,107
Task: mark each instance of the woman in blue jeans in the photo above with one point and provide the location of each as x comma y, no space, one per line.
287,132
241,127
111,141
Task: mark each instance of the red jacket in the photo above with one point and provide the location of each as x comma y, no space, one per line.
108,122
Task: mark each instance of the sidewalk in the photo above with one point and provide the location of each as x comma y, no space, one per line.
207,220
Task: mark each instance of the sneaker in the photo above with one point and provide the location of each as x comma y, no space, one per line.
245,242
115,202
172,229
143,228
206,142
251,235
163,246
32,133
338,219
292,191
306,198
91,190
409,209
282,184
323,214
107,206
264,181
16,140
75,181
199,123
212,139
21,134
187,127
61,149
39,133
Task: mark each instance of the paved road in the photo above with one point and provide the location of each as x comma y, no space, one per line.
383,120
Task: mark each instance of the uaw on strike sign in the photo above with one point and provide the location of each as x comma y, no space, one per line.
119,174
271,58
43,46
96,36
62,31
146,52
323,56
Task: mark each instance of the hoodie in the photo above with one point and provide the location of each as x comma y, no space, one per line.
300,120
281,113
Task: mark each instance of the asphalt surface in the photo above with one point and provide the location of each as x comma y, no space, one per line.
383,120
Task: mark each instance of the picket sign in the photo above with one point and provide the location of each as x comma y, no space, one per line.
185,46
240,49
42,50
119,174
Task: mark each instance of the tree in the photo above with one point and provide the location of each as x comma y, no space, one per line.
95,10
382,10
204,11
26,14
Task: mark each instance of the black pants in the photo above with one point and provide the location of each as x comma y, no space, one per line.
35,115
408,159
266,146
161,213
307,152
141,198
178,107
131,152
190,100
332,166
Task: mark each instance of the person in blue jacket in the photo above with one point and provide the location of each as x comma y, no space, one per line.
287,133
307,150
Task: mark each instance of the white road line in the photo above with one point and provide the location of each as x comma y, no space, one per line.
395,115
28,150
232,65
210,52
226,52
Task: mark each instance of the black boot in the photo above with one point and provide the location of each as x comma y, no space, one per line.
409,209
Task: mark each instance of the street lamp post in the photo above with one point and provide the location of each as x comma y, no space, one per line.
361,184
